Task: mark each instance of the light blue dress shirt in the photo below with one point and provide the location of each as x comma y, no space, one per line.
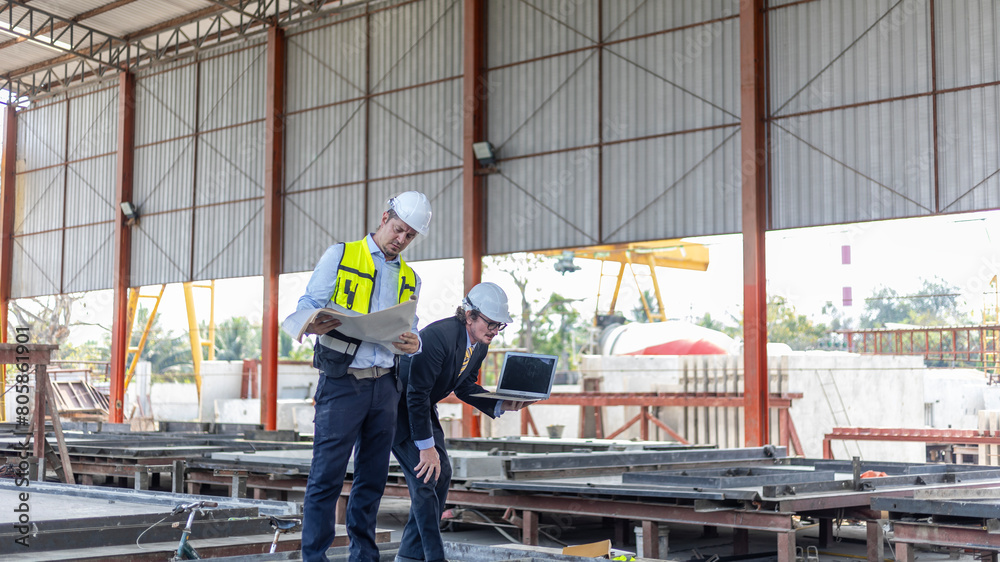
385,294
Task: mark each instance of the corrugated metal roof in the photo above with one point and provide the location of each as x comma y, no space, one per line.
87,265
143,14
525,30
545,105
161,248
313,220
416,43
316,77
416,130
35,265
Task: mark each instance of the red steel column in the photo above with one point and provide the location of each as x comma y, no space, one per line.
474,94
274,145
122,244
753,110
8,185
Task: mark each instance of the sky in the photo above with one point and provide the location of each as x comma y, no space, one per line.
803,265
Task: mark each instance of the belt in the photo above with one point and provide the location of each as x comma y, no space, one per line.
338,344
369,372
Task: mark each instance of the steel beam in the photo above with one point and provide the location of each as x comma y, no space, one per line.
67,35
945,535
274,131
8,180
474,100
753,112
122,265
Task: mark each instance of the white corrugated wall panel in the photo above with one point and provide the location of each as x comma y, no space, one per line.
444,190
649,90
231,87
39,205
230,164
161,248
415,130
631,18
90,191
35,265
857,164
163,176
325,147
165,103
41,136
525,30
544,105
325,65
969,150
313,220
93,123
89,257
228,240
543,202
968,42
416,43
673,186
831,53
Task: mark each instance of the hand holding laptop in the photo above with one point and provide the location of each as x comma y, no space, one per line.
515,405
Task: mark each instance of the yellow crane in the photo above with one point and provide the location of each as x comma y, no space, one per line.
196,343
673,253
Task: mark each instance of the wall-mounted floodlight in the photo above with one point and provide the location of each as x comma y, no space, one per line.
130,212
484,152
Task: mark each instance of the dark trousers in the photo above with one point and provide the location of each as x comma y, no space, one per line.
350,414
421,539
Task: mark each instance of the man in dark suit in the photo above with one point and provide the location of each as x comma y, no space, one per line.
453,351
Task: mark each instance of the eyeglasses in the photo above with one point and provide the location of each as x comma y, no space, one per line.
491,326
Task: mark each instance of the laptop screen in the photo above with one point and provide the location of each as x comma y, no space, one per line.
524,372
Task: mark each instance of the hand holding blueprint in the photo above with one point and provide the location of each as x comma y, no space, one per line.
382,327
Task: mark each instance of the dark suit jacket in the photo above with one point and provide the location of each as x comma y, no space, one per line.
430,376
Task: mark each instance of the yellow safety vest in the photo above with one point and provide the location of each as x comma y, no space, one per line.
356,278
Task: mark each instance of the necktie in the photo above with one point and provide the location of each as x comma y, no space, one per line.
465,362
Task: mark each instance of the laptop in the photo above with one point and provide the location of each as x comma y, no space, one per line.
524,377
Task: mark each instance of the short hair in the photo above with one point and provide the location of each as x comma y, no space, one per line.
464,315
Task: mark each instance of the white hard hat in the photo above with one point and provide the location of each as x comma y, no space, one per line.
413,208
490,300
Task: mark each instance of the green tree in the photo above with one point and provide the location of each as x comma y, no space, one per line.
548,322
48,319
934,304
707,321
237,339
291,350
639,311
786,325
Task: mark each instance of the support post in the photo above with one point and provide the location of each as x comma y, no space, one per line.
754,170
122,245
474,129
904,552
876,546
273,184
7,199
786,546
529,528
650,539
741,542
